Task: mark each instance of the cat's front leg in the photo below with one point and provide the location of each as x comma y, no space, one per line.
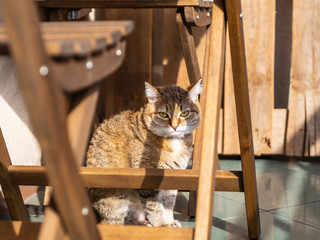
159,206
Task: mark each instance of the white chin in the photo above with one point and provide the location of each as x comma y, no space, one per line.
175,134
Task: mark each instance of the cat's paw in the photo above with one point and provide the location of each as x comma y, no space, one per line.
175,223
143,223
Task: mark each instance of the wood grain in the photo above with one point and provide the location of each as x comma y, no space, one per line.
212,77
120,3
124,90
29,231
303,131
259,35
131,178
49,121
240,81
10,190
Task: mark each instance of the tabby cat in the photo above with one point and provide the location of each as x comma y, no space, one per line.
159,135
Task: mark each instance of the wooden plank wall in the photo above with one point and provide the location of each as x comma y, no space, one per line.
259,25
303,134
279,48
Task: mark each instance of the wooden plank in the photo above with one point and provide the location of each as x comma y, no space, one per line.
213,79
10,190
48,118
80,75
157,46
19,230
135,70
80,120
124,26
69,39
240,81
131,178
259,34
79,123
120,3
52,226
295,137
188,48
278,130
230,126
29,231
144,233
303,131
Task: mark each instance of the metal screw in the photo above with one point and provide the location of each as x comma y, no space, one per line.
89,65
119,52
208,14
44,70
198,17
85,211
241,15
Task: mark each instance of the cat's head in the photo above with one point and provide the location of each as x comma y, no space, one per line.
172,111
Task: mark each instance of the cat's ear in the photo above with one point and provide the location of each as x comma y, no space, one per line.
152,93
195,91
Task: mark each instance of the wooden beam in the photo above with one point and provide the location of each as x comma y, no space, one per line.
121,4
230,181
188,47
213,79
29,231
240,81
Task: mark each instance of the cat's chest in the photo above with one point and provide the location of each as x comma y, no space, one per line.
177,145
176,153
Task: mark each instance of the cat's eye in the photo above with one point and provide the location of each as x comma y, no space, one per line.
163,115
184,114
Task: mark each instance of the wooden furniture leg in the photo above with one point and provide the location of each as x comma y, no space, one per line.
44,99
213,79
11,191
234,18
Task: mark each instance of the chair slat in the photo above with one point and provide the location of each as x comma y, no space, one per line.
66,39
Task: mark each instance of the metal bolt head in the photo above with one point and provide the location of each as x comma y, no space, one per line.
85,211
241,15
44,70
198,17
208,14
89,65
119,52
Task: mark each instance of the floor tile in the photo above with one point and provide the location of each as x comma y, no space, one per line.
223,208
272,228
278,187
306,213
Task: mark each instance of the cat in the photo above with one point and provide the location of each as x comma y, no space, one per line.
159,135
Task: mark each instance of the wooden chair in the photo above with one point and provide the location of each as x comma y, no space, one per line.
61,168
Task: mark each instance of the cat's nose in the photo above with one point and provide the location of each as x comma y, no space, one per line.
174,127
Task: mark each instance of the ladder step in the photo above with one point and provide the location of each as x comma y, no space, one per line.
30,230
138,178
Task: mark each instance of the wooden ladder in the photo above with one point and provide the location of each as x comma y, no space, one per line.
63,155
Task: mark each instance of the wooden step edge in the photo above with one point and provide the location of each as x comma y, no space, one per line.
124,26
136,178
30,230
122,4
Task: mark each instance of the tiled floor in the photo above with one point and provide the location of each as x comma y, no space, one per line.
289,199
